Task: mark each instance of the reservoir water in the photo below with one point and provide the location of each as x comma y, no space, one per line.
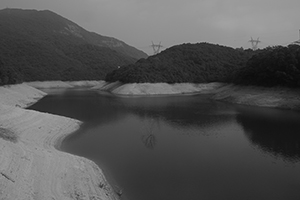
184,147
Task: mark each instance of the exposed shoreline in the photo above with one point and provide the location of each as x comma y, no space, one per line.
156,89
30,165
32,168
277,97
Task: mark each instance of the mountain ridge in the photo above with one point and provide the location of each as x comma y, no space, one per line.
69,27
42,45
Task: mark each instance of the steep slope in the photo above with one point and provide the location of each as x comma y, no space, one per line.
41,45
49,23
119,46
197,63
30,165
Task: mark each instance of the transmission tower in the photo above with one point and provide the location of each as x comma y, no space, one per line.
254,43
298,41
156,48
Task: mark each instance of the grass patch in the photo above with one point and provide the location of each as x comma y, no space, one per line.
8,135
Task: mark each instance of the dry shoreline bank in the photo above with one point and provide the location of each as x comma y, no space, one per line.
30,166
278,97
156,89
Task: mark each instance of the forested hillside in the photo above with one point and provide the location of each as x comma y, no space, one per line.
197,63
8,75
201,63
41,45
274,66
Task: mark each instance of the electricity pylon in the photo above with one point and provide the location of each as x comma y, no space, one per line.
254,43
298,41
156,47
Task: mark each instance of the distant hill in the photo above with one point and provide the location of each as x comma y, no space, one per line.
204,62
41,45
197,63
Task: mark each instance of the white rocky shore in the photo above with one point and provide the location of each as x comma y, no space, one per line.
142,89
30,167
63,84
276,97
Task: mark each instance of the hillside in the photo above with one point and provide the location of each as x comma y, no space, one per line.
41,45
273,66
196,63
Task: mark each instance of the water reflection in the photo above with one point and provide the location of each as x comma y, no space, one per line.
149,138
180,112
166,147
274,131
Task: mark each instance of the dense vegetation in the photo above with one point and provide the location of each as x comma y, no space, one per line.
200,63
7,75
41,45
274,66
196,63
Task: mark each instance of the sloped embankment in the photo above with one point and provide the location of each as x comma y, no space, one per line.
142,89
276,97
30,166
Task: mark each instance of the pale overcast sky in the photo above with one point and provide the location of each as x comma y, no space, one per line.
138,22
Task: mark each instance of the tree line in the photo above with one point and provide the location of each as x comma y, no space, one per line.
273,66
197,63
193,63
203,62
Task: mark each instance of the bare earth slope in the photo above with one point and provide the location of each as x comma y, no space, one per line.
30,166
140,89
277,97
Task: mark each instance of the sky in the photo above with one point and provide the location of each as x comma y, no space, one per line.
171,22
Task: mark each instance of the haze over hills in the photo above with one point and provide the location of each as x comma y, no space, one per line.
41,45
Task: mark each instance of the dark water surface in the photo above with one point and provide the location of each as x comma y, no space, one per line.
184,148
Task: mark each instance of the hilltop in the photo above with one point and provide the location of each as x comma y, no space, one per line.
193,63
204,63
42,45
